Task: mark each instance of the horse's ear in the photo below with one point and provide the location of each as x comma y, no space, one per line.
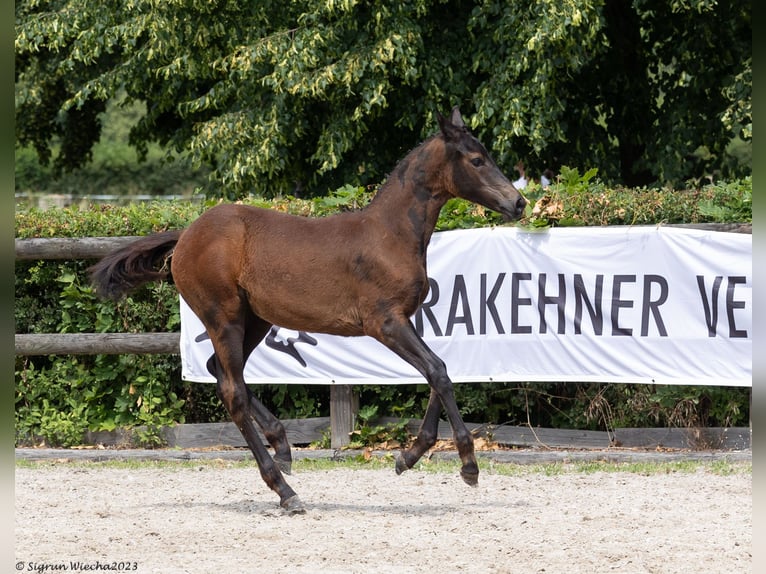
456,118
453,127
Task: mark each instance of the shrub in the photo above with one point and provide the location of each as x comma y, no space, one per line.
58,398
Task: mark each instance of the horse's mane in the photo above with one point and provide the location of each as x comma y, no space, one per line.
402,165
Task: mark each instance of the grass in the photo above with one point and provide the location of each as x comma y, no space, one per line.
386,462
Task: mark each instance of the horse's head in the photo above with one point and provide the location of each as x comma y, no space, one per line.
475,176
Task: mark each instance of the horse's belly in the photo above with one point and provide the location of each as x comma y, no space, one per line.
292,306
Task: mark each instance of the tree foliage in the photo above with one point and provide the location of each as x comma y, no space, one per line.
301,97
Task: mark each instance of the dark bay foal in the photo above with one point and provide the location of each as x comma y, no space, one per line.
243,269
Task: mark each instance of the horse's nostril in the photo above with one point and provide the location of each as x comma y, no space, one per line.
521,203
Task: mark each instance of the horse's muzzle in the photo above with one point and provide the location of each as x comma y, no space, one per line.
512,210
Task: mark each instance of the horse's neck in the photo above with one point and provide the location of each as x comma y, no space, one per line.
410,200
409,208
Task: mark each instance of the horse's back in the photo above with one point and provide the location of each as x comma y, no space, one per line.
232,219
288,266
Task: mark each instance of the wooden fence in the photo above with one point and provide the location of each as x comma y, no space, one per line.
306,431
343,404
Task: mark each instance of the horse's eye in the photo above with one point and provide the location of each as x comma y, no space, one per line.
477,161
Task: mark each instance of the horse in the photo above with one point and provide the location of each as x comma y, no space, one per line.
244,269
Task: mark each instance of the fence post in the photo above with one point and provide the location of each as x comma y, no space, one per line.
344,405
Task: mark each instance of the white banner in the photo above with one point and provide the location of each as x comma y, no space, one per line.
618,304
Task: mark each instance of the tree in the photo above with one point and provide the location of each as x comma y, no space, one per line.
302,97
637,88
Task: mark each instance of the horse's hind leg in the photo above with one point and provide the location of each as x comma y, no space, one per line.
273,429
228,342
426,438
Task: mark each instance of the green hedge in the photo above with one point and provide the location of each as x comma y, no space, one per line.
59,398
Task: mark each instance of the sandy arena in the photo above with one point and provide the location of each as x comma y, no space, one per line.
222,518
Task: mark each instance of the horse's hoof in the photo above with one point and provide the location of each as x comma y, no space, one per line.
284,466
470,478
401,466
293,505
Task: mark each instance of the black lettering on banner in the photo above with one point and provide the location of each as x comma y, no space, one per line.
459,297
618,304
425,309
731,304
649,306
710,306
487,303
589,304
594,310
516,301
543,300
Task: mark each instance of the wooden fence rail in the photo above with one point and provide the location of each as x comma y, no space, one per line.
98,343
69,247
343,404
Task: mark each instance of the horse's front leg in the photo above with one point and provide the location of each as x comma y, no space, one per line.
401,337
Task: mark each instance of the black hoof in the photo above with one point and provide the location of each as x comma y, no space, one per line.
401,465
293,505
284,466
470,478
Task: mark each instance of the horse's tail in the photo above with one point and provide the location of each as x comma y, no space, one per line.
145,260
